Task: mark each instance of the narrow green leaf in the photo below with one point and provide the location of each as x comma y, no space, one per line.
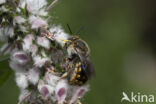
4,58
5,77
5,71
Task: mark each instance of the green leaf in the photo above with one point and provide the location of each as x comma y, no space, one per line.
4,58
5,72
5,77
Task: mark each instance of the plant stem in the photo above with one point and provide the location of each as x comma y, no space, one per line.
52,4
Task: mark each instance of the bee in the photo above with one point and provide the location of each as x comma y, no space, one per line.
80,66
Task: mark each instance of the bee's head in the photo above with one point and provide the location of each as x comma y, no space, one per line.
74,38
71,40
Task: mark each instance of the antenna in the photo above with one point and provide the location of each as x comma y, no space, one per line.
69,29
78,30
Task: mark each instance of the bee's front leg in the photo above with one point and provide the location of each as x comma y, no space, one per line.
64,75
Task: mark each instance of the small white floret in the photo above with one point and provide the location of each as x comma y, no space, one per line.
51,79
2,1
61,90
78,92
6,32
45,89
37,22
34,75
59,35
4,9
23,94
20,20
17,67
44,42
4,47
21,80
27,42
20,57
35,6
39,61
22,3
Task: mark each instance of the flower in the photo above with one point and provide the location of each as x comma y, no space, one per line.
23,94
20,19
21,80
61,90
23,28
4,9
45,89
4,47
36,7
27,42
78,92
39,64
37,22
22,4
17,67
2,36
28,45
33,75
59,35
51,79
33,49
44,42
20,57
6,32
39,61
2,1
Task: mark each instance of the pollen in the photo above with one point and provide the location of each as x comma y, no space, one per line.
71,65
76,69
78,76
79,63
79,70
74,76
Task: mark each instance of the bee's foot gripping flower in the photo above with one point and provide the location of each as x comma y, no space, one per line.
38,54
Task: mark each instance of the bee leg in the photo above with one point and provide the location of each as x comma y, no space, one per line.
64,75
64,40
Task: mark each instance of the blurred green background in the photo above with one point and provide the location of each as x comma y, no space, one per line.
122,38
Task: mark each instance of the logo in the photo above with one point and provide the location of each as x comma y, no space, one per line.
137,97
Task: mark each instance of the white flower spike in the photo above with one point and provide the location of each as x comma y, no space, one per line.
2,1
39,54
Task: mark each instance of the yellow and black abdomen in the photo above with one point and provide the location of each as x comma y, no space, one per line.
77,75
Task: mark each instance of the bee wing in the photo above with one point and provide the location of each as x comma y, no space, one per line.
87,64
88,67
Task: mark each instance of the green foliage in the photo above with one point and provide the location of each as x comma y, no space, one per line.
5,71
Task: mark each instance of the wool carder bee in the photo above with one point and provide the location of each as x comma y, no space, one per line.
80,66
